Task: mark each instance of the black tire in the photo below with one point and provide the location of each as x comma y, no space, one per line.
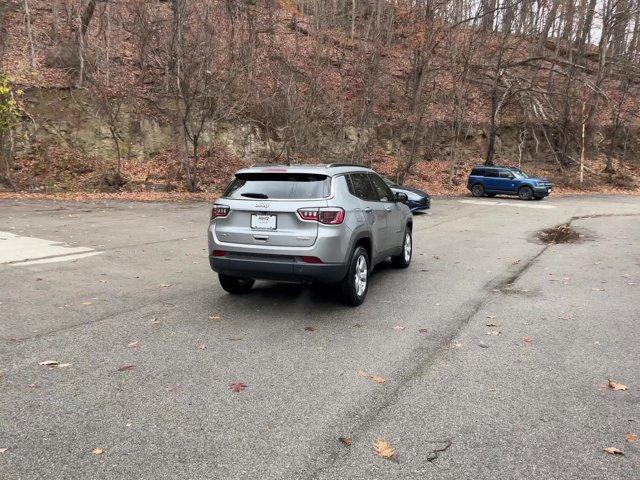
403,259
491,195
477,190
351,289
235,285
525,193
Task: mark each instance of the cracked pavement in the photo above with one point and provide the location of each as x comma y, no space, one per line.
528,402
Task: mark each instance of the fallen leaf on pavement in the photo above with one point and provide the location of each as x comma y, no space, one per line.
527,339
383,449
616,386
630,437
49,363
165,285
201,346
61,365
491,317
214,317
515,262
97,451
2,450
155,321
374,378
87,303
133,344
399,327
346,441
423,331
613,451
237,387
125,368
309,329
494,332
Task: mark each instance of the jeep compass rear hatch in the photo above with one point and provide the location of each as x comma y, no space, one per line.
263,208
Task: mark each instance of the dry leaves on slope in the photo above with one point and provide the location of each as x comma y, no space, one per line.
631,437
616,386
383,449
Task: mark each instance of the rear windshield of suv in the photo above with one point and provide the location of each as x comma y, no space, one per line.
286,186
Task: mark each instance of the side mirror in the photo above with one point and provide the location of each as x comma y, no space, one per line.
401,197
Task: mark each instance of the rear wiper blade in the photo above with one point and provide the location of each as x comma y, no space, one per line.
253,195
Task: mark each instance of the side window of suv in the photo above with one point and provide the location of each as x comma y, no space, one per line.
491,173
383,192
477,172
361,187
506,174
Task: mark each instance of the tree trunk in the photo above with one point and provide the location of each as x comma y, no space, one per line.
87,15
27,20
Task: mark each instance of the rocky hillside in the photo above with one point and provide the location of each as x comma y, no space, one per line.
155,96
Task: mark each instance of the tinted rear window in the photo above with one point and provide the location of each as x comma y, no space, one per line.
478,172
298,186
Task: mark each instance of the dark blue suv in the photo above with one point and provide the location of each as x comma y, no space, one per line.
491,181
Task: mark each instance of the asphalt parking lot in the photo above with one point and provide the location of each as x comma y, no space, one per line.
496,350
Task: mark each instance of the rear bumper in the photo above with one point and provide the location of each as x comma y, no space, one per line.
289,269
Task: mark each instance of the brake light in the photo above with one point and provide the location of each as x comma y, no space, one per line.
331,216
218,253
324,215
219,211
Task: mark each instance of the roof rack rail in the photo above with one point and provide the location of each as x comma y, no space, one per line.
331,165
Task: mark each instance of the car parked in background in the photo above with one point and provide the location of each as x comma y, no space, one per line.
495,180
417,200
308,223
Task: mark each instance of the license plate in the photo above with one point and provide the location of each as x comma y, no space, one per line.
263,222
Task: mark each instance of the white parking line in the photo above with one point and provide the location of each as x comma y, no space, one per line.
507,204
21,251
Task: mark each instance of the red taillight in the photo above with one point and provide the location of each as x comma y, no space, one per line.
309,214
324,215
218,253
310,259
331,216
219,211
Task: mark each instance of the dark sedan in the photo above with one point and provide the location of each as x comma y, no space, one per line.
418,200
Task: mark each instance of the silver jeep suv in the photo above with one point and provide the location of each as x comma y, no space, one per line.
308,223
